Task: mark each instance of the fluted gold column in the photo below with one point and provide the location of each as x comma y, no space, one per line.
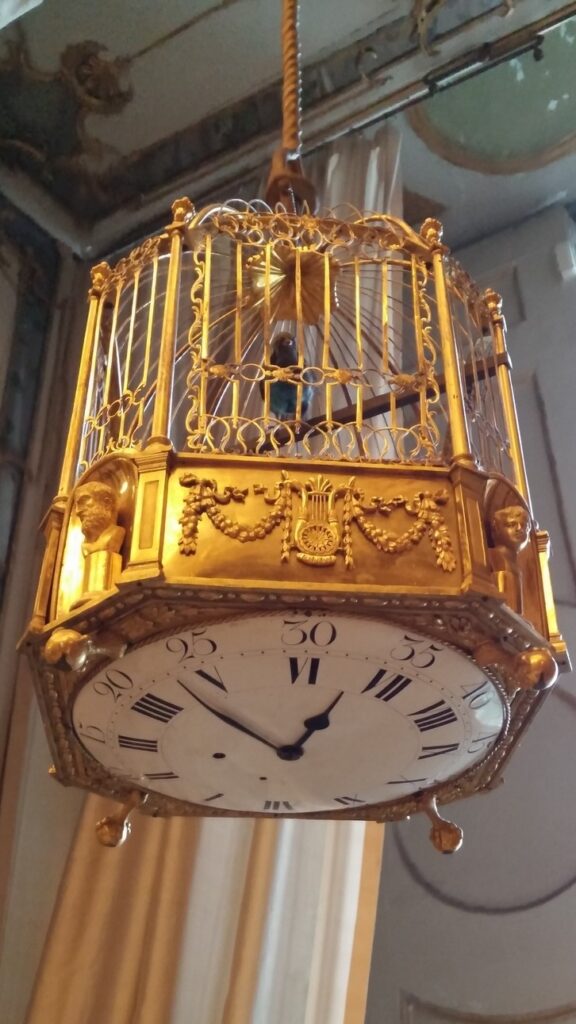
163,400
494,304
99,275
461,447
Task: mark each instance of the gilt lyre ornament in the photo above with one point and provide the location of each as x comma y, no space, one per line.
317,531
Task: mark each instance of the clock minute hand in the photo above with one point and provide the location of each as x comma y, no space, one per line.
231,721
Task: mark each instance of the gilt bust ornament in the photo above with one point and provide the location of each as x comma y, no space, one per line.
96,505
510,529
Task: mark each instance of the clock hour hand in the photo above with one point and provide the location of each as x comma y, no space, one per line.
293,751
230,721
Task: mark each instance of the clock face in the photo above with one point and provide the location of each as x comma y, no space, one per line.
290,713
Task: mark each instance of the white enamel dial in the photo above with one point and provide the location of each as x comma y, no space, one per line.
290,713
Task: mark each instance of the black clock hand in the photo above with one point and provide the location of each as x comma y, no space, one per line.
229,721
293,751
316,722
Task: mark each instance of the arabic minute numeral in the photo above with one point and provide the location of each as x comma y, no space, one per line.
418,651
478,697
115,683
193,645
299,631
482,743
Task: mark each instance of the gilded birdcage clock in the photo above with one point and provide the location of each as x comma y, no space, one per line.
292,568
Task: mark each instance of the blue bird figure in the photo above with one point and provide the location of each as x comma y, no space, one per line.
284,393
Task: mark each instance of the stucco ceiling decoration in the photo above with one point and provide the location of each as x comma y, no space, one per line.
187,119
43,114
525,109
416,1011
188,106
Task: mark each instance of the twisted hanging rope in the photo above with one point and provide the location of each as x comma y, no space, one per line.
287,183
291,88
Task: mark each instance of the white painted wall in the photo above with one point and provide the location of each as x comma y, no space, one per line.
487,956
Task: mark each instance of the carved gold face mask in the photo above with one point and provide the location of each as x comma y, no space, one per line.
511,527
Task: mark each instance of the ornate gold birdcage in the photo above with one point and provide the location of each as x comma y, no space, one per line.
297,431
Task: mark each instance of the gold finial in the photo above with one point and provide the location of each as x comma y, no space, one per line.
493,304
66,645
52,771
181,210
114,829
432,231
99,275
535,669
69,649
445,836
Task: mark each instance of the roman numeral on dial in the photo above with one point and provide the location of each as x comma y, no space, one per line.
434,716
134,743
437,750
307,668
213,676
346,800
402,782
396,683
161,775
277,805
156,707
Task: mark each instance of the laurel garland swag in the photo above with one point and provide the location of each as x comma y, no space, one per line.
204,498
